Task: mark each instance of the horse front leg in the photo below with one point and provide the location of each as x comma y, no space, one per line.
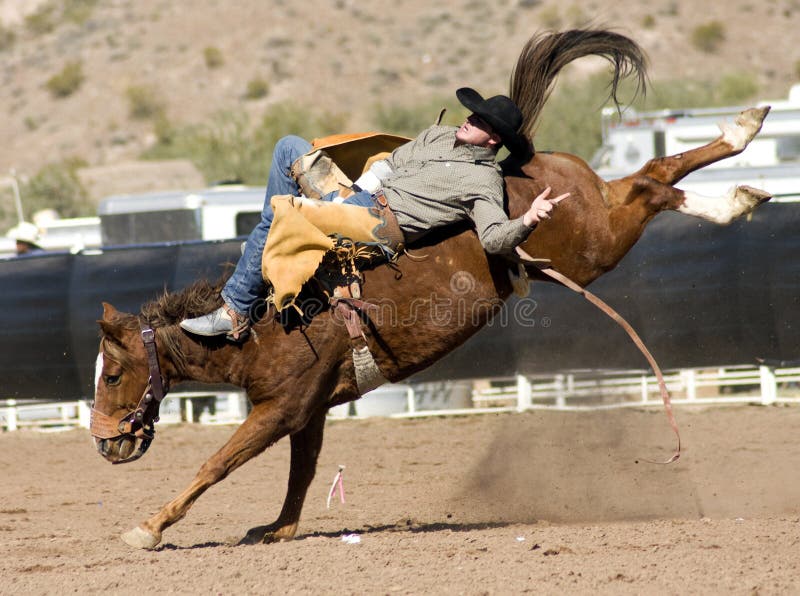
306,446
734,139
261,428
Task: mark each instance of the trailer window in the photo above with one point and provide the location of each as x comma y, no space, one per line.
150,226
788,148
246,221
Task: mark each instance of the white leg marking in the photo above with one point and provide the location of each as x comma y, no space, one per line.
740,200
747,124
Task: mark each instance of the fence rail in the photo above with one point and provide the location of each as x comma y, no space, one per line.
578,390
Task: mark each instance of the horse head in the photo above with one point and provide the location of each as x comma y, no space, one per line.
129,387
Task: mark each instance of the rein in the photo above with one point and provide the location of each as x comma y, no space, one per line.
662,385
138,424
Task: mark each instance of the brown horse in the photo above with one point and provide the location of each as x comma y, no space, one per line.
292,378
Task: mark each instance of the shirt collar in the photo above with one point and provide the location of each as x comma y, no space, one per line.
480,154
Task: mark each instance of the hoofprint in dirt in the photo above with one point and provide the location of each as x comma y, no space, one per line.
540,501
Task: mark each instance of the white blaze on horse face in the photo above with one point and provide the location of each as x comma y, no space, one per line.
98,372
723,210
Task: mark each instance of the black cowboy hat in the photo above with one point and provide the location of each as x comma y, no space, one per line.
501,114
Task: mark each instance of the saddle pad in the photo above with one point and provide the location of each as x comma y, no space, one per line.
300,237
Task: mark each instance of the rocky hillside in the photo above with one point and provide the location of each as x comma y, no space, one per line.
346,56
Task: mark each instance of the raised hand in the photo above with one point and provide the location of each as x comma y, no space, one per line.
542,207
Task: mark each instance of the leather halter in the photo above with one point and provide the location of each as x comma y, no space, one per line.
138,424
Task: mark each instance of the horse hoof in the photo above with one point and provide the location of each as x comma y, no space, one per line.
751,197
269,534
745,127
139,538
255,536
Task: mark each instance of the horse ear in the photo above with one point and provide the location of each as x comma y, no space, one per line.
109,312
109,324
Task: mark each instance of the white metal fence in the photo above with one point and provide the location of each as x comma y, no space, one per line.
566,391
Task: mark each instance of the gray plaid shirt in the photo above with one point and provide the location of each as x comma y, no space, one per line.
434,183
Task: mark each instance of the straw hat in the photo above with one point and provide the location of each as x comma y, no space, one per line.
24,231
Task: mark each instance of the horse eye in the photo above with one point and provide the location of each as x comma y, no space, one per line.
112,380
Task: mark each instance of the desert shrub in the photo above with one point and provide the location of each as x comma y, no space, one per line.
570,121
735,88
732,88
576,17
66,82
78,11
144,102
56,186
708,37
648,21
257,88
410,120
42,20
550,17
213,57
7,38
229,147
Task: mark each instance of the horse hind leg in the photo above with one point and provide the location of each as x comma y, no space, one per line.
306,446
740,200
655,196
734,139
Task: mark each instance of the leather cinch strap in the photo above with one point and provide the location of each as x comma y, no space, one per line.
662,385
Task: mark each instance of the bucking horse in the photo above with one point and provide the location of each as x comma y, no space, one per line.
293,375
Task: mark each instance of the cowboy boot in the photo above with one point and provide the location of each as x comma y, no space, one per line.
223,321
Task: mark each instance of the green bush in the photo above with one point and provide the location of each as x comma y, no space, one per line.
7,38
144,102
257,88
708,37
550,17
735,89
78,11
42,20
56,186
410,120
66,82
213,57
229,147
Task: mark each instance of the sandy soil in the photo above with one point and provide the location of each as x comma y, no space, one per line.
539,502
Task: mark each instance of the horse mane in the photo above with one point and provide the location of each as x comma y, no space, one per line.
546,53
198,299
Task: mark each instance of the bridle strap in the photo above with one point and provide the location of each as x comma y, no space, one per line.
146,413
156,381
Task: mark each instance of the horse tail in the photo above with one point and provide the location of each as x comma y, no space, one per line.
545,54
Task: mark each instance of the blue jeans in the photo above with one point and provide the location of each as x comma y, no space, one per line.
246,285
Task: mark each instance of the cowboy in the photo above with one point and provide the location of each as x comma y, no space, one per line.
27,236
444,176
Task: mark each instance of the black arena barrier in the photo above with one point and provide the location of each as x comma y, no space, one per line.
700,295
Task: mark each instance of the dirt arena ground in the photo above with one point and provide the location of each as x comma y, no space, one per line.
539,502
